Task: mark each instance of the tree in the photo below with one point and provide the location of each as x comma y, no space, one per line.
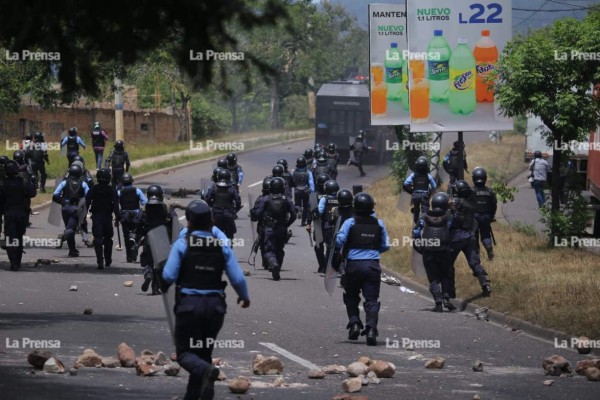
538,75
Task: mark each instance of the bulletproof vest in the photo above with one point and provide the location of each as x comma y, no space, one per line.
421,181
300,179
330,206
287,177
118,160
129,199
483,199
332,159
36,154
72,190
364,234
24,173
359,147
2,173
97,139
156,215
435,232
322,169
465,217
202,265
223,197
235,173
453,161
102,198
276,208
14,193
72,145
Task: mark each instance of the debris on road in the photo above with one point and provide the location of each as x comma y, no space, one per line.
88,311
556,366
417,356
592,374
549,382
583,345
279,382
174,368
73,371
126,355
390,280
89,358
73,288
406,290
110,362
365,360
239,385
38,358
477,366
267,366
222,377
316,374
144,369
356,369
54,366
352,385
583,365
334,369
383,369
161,359
372,377
435,363
482,314
128,283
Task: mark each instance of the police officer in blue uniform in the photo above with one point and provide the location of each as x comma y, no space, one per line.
104,202
485,210
38,156
73,142
237,173
363,238
118,162
343,211
419,184
69,193
462,234
225,202
322,166
451,162
131,200
333,159
287,177
14,193
326,209
318,246
309,155
304,185
277,213
260,227
196,264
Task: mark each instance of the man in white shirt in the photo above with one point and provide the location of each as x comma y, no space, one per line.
539,171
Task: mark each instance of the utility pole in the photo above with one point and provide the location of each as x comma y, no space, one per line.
119,132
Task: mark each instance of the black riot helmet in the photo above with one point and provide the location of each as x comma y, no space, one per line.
198,214
3,160
283,161
300,162
231,159
119,145
75,171
345,198
537,154
79,158
321,179
127,178
224,177
331,148
322,159
73,132
277,185
28,136
266,186
11,168
19,157
458,145
103,175
215,174
222,163
309,153
463,189
361,135
318,147
422,165
363,204
277,170
155,192
331,187
39,136
479,176
440,200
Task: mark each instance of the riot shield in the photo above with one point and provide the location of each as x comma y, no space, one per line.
82,211
158,241
350,141
203,187
176,227
330,272
404,201
416,263
252,224
317,227
63,150
55,214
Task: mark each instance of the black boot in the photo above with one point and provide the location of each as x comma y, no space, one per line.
354,331
448,305
490,253
108,254
99,256
147,278
485,285
275,268
438,308
207,383
371,336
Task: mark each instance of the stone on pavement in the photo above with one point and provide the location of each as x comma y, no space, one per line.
352,385
110,362
146,370
548,382
372,377
217,362
435,363
582,365
334,369
38,358
316,374
128,283
73,371
267,365
477,366
161,359
556,365
222,376
346,396
54,366
239,385
383,369
279,382
173,369
364,380
73,288
583,345
126,355
89,358
592,374
365,360
357,368
88,311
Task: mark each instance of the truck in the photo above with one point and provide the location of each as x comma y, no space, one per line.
342,110
593,181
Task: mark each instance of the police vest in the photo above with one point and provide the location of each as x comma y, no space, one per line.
102,198
14,194
223,198
435,232
25,173
300,179
420,182
129,199
364,234
97,139
156,215
465,217
332,159
36,154
73,191
322,169
287,177
276,210
483,199
235,173
331,204
453,161
118,160
72,145
202,265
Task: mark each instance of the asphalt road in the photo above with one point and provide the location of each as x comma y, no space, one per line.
294,319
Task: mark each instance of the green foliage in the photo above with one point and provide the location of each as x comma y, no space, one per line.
570,221
208,117
294,114
525,228
503,192
520,122
404,159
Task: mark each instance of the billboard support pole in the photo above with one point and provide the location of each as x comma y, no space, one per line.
461,170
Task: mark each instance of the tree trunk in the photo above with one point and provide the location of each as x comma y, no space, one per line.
183,116
233,108
557,154
274,115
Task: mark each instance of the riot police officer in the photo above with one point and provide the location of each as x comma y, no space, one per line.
260,227
104,202
287,177
130,200
304,185
278,172
462,234
222,163
277,213
341,213
118,162
326,210
309,155
237,174
434,235
99,138
87,178
3,161
225,203
14,196
314,204
359,149
333,159
363,238
26,173
214,178
68,193
451,161
485,210
323,167
196,264
419,184
72,142
38,156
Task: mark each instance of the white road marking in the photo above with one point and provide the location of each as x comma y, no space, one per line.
288,355
255,183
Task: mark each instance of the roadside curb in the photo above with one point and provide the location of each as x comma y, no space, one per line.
43,206
502,320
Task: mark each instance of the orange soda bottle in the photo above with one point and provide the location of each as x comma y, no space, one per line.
486,57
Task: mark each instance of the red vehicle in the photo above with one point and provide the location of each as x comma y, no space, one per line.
593,178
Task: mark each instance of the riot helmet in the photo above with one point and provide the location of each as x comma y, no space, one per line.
309,153
331,187
73,132
103,175
301,162
119,145
345,198
222,163
19,157
231,159
266,185
11,168
75,171
422,164
321,179
440,200
277,185
198,214
363,204
479,176
277,170
283,161
127,178
331,148
154,192
463,190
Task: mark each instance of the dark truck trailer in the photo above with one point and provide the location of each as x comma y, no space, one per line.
342,110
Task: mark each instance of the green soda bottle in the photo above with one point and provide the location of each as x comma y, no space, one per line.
405,96
462,99
393,73
438,71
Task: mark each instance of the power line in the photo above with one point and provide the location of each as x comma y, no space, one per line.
554,10
532,14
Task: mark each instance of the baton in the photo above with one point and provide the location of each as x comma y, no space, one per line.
492,234
310,238
119,247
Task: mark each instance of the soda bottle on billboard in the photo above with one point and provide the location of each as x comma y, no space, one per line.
462,98
486,57
393,73
405,96
438,53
